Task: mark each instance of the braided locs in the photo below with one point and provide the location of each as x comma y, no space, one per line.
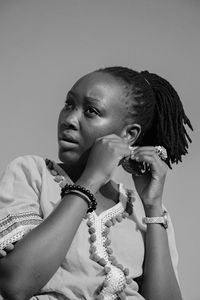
158,109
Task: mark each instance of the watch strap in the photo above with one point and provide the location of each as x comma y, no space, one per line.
157,220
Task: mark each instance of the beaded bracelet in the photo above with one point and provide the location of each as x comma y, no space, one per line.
80,194
73,187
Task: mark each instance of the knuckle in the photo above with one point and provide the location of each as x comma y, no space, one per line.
110,145
103,141
116,152
151,159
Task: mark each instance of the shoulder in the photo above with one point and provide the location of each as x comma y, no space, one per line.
28,160
28,165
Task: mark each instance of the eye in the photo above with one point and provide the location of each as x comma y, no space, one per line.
89,111
68,104
92,111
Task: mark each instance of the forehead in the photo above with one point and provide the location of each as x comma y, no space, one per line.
99,85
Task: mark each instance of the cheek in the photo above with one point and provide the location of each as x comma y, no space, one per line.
61,116
106,128
89,135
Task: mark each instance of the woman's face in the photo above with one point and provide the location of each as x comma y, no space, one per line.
94,107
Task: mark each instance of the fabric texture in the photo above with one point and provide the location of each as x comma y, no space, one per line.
28,194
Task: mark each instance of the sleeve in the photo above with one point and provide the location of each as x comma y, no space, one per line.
20,188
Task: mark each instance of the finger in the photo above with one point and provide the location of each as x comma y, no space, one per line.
159,150
114,142
111,137
156,164
2,253
114,137
140,152
149,157
118,144
148,152
152,159
144,148
9,247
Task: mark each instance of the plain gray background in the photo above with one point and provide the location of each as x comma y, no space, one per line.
46,45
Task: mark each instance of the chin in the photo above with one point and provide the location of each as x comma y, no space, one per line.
68,157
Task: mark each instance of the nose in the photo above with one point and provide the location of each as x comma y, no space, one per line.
72,118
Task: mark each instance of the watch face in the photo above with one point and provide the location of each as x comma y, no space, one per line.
165,224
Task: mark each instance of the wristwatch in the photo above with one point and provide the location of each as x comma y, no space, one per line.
163,220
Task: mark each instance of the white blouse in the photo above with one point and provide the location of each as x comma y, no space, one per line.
107,249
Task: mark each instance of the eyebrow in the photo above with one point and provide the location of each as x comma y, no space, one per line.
88,99
92,100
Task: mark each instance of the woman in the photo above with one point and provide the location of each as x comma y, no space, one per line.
53,206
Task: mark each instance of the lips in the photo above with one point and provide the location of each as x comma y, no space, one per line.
68,138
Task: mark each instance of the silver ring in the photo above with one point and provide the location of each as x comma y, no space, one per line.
161,151
132,150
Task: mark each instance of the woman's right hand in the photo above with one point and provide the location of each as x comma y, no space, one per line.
104,157
6,250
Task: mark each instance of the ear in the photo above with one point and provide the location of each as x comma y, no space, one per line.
130,133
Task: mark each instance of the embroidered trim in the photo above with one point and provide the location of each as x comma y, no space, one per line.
115,274
15,226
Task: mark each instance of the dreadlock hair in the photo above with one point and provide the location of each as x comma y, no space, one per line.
158,109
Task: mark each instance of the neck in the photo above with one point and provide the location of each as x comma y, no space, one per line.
73,171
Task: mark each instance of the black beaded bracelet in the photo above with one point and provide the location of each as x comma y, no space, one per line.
92,200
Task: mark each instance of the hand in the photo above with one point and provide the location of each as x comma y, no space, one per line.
150,185
104,157
6,250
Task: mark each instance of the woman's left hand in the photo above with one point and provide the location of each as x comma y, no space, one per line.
151,184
